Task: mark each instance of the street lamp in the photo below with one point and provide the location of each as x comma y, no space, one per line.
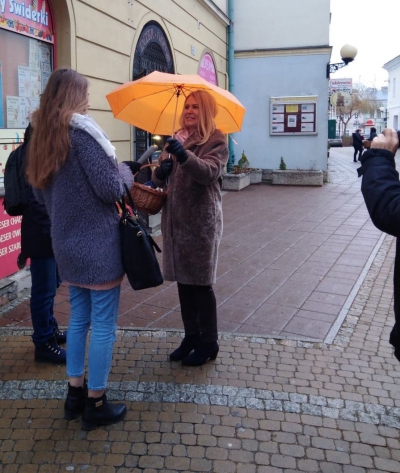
347,53
384,115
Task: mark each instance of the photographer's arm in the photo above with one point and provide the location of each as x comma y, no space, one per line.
380,184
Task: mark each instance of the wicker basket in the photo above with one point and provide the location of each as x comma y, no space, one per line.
146,199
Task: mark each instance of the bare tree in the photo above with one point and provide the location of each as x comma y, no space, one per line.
363,101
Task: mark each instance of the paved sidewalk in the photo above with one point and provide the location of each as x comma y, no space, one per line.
291,262
292,390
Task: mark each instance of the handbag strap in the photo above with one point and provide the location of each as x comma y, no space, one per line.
131,203
125,212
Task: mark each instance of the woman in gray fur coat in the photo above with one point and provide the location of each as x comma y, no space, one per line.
191,223
74,171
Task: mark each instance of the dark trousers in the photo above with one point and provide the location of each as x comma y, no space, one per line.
43,291
199,311
359,151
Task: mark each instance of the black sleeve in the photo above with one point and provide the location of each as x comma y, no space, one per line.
381,190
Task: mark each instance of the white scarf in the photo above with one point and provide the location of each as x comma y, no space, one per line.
86,123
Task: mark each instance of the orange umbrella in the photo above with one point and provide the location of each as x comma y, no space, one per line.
151,103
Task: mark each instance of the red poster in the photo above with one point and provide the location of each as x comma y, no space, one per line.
10,242
28,17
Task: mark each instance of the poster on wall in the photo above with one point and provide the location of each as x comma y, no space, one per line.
340,92
9,141
293,115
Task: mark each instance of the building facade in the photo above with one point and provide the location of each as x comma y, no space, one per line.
393,100
110,42
281,53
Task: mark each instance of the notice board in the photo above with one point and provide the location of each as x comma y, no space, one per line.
293,115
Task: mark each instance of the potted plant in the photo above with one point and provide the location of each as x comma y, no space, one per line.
296,177
239,177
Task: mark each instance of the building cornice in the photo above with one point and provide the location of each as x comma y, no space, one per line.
210,5
283,52
392,63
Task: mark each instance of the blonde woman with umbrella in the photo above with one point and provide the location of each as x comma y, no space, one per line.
191,222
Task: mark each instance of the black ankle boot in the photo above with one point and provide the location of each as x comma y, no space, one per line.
75,402
98,411
50,352
188,344
201,354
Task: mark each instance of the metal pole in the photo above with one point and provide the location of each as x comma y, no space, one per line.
231,51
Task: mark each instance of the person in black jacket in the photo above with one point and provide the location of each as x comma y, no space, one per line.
36,245
357,144
372,134
381,191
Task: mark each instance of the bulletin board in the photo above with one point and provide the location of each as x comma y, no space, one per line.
293,115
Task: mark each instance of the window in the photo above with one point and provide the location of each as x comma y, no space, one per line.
25,66
394,88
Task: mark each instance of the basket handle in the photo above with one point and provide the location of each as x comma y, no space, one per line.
154,166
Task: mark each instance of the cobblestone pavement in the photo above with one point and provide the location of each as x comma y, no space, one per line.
268,404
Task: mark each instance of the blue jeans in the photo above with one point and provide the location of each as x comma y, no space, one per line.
98,310
44,286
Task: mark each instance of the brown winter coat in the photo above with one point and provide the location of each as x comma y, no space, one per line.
191,220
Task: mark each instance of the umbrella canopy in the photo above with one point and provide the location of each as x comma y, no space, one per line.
154,102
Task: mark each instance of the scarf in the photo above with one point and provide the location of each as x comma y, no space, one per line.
181,135
86,123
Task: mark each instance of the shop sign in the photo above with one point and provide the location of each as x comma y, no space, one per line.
10,242
31,18
207,69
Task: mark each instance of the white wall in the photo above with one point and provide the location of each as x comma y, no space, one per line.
258,79
393,102
267,24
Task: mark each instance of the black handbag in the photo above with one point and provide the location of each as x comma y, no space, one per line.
137,246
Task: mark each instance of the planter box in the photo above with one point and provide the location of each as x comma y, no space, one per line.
235,182
297,177
255,176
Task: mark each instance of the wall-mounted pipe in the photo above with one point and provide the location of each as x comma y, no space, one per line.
231,51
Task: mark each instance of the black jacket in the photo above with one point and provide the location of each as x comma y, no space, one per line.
381,190
357,140
372,135
35,226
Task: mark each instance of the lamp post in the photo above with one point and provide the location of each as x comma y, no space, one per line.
384,117
347,53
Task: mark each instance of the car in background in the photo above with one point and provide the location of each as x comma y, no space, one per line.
335,142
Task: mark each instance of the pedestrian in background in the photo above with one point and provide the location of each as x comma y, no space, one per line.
36,245
381,190
357,144
372,134
191,223
74,170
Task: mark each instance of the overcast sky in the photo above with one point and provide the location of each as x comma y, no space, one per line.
373,27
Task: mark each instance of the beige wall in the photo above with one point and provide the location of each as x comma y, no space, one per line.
98,38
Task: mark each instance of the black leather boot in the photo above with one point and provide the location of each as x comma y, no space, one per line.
201,354
189,343
75,402
98,411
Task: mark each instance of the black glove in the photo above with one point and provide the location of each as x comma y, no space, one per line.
164,170
134,166
175,147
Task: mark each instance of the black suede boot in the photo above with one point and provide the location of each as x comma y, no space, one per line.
98,411
201,354
75,402
188,344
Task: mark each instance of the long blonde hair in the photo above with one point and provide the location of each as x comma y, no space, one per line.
208,110
66,93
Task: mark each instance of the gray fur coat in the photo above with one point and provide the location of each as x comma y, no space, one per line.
191,219
80,201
